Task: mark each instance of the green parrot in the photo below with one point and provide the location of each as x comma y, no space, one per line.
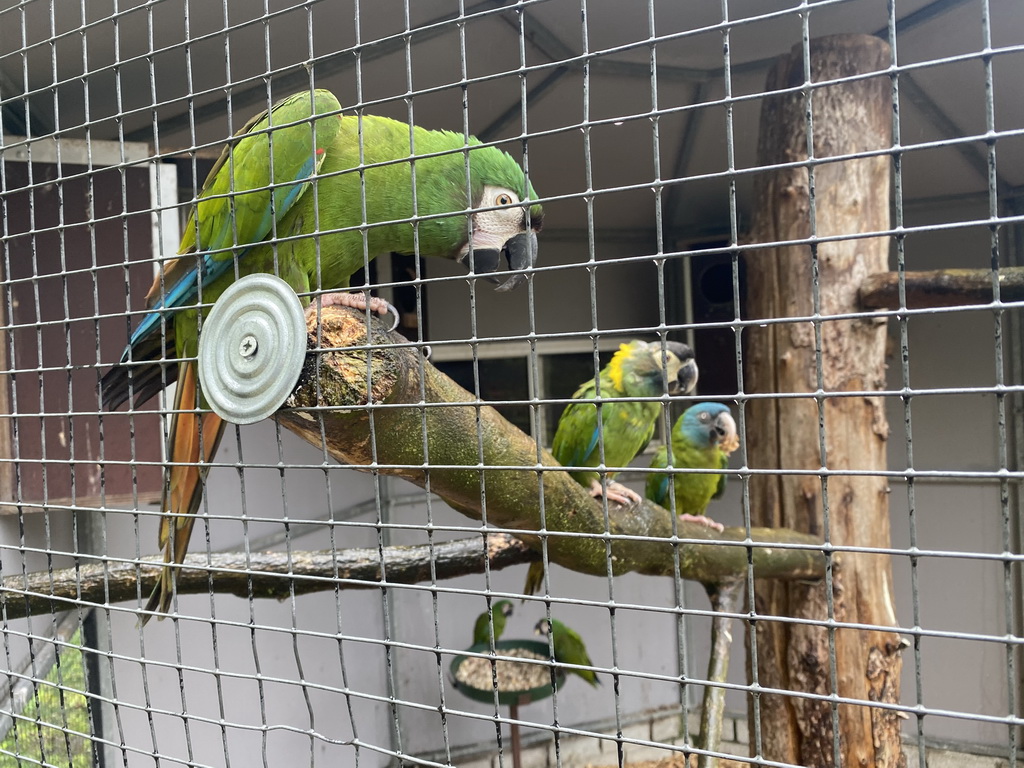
569,648
501,610
627,427
702,438
319,181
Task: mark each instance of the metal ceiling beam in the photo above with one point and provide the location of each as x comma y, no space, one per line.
16,121
686,147
515,109
298,78
975,156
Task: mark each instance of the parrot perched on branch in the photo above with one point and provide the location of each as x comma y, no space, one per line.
569,648
501,610
624,428
321,182
702,438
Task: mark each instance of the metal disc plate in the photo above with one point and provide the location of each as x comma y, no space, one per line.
251,348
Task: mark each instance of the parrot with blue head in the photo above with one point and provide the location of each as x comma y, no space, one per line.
303,191
702,438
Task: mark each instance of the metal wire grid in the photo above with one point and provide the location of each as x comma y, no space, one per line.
38,541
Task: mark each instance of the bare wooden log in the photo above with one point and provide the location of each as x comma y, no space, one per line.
725,599
941,288
850,197
261,574
423,427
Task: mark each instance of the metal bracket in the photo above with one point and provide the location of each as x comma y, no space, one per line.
252,348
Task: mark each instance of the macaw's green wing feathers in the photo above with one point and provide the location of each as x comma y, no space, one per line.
256,185
250,188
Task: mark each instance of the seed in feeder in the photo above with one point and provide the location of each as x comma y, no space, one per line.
479,672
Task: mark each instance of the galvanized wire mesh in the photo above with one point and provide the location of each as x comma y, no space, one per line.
638,126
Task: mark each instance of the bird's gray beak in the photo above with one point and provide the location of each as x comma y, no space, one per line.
482,261
687,379
521,253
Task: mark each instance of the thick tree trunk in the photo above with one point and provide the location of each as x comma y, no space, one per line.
849,197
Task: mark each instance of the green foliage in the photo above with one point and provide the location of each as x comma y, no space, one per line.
53,728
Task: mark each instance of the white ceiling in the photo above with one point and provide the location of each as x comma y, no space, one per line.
91,69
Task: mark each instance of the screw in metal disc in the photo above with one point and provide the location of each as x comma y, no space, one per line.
252,348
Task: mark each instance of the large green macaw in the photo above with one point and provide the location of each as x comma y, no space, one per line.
569,648
702,438
295,193
624,428
500,612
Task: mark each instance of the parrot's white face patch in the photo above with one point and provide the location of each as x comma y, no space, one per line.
492,228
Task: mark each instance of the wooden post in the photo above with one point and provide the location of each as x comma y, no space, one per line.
850,197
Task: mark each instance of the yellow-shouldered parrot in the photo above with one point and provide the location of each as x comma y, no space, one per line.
293,194
626,427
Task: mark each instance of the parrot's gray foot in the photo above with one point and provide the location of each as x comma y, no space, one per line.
616,492
703,520
357,301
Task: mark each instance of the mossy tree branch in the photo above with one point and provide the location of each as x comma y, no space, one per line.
333,393
419,425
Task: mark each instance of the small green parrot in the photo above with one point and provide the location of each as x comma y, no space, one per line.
702,438
627,427
569,648
307,193
501,610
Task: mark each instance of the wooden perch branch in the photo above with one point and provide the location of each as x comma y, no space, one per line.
336,381
329,409
941,288
263,574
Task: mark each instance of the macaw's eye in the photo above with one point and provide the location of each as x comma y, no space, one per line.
503,199
704,417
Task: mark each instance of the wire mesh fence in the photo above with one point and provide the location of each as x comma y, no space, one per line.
808,554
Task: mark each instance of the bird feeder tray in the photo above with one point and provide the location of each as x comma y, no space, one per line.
252,348
539,659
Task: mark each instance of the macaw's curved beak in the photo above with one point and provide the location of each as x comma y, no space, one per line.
520,252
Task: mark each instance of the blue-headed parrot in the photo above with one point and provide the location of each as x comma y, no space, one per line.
625,427
569,648
501,610
702,438
306,175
